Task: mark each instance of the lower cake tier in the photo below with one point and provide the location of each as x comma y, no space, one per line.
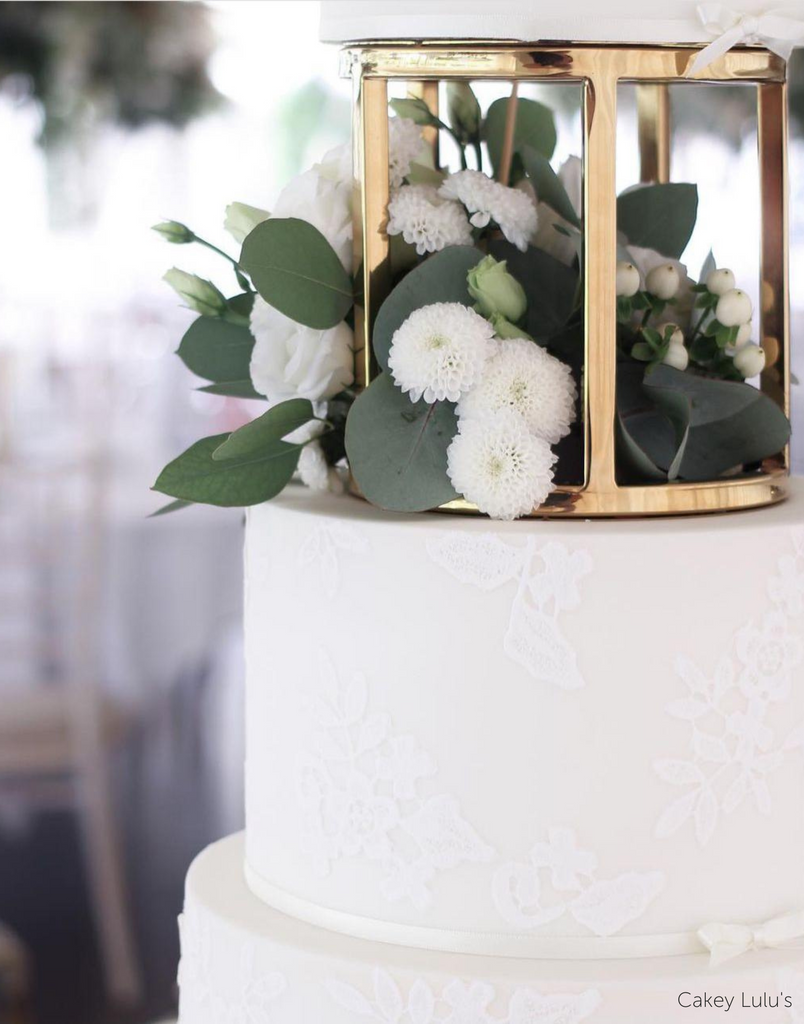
245,962
545,739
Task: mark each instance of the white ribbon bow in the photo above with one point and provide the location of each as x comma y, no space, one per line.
778,30
726,941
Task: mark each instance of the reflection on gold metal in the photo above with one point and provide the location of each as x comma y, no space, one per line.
428,91
507,152
653,117
598,70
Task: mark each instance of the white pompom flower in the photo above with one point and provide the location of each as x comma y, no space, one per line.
424,219
524,378
499,465
404,146
486,200
290,360
440,351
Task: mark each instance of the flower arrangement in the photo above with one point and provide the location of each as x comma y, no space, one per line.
480,344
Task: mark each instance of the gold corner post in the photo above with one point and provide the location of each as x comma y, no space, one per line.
653,119
598,70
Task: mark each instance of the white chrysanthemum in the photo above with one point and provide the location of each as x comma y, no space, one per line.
440,351
404,145
496,463
488,200
313,469
425,220
523,377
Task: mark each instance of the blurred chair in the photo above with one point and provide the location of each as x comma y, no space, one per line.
15,980
57,727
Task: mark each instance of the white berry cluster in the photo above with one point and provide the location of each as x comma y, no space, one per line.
734,309
514,400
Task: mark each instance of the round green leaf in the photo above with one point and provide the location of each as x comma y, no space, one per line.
548,185
551,286
196,476
263,432
535,127
660,217
296,270
441,278
397,450
216,349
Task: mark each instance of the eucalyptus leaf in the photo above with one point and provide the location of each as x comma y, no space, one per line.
652,428
216,349
551,286
296,270
172,506
660,217
397,450
709,265
415,109
548,185
535,127
441,278
196,476
421,174
233,389
261,433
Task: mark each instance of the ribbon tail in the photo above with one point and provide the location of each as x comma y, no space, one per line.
722,952
716,49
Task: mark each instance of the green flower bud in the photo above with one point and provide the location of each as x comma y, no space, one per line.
496,291
173,231
463,111
198,294
241,219
505,329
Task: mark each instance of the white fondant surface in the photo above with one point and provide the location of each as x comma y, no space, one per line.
671,21
553,738
244,962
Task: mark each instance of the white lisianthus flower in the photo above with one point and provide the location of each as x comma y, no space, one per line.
241,219
496,463
523,377
290,360
324,199
404,145
488,200
547,238
440,351
425,220
313,470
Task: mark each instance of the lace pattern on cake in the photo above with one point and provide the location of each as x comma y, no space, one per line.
253,994
733,747
323,548
547,583
791,982
362,788
459,1002
559,878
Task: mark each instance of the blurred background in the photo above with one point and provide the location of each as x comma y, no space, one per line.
121,673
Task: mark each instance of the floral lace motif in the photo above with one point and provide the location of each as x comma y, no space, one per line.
323,547
252,996
361,788
733,749
460,1002
547,581
557,865
791,982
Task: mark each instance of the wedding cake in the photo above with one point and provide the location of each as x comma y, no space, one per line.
535,772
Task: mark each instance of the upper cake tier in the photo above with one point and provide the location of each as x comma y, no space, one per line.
555,739
629,21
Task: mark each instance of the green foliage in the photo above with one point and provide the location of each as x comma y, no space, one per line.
217,350
548,185
441,278
551,287
196,476
660,217
398,450
233,389
262,433
535,127
296,270
416,110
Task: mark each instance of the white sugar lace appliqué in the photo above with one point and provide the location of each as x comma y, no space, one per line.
546,580
323,548
733,748
791,982
559,879
252,996
362,792
459,1002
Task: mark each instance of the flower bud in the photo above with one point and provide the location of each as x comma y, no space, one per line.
241,219
173,231
743,334
505,329
198,294
677,337
628,280
676,356
734,308
496,291
663,281
750,360
463,110
720,281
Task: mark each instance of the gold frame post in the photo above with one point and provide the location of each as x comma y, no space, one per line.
654,130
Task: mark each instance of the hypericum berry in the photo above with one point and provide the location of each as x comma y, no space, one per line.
734,308
750,360
677,356
628,280
721,281
743,334
663,281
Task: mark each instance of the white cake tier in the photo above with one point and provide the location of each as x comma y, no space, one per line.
548,739
628,21
243,962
